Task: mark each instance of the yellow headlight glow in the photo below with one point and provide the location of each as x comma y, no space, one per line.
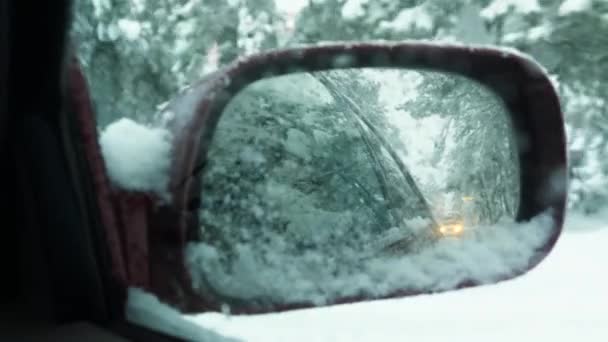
451,229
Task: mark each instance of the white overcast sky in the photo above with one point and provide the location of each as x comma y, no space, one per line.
290,6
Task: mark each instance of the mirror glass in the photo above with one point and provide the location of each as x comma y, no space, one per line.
358,183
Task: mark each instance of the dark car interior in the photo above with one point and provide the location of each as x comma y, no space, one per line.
44,255
52,289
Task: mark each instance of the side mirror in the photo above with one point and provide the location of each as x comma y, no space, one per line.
341,173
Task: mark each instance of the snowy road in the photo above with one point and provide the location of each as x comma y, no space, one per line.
564,299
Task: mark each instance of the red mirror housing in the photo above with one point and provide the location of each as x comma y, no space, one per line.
158,264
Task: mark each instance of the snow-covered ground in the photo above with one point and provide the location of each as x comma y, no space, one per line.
564,299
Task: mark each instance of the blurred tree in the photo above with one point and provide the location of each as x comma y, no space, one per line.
138,53
567,37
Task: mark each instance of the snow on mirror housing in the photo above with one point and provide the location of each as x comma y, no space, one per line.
334,174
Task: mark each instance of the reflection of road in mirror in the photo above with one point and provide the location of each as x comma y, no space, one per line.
354,182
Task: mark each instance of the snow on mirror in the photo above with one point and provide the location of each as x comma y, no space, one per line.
359,182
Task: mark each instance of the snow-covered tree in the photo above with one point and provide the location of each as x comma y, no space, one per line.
568,37
139,53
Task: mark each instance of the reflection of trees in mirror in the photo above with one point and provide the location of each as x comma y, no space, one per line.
476,144
289,166
370,118
313,168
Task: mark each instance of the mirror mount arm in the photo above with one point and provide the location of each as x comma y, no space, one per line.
169,278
